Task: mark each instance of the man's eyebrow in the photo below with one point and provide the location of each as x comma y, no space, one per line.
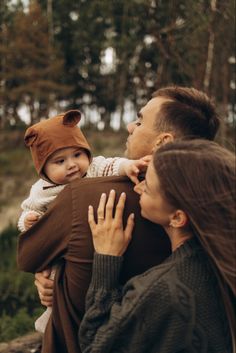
139,115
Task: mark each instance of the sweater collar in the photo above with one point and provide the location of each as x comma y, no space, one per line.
189,247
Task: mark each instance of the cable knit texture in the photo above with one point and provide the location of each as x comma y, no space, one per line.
42,193
175,307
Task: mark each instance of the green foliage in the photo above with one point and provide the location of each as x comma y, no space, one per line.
106,143
15,177
31,68
20,324
155,43
19,305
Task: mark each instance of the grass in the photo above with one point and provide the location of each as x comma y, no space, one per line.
16,174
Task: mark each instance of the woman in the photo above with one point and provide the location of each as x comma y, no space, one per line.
185,304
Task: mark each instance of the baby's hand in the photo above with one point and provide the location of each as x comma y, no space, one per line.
30,219
132,168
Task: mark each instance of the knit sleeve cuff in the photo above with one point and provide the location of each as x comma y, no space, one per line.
116,166
21,223
106,271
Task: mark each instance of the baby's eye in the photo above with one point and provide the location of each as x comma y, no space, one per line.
60,161
77,154
138,123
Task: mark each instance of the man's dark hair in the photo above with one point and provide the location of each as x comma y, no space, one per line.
188,113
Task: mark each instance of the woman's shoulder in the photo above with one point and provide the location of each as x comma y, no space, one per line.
179,275
160,291
154,281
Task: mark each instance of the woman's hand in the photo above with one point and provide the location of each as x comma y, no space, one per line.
109,237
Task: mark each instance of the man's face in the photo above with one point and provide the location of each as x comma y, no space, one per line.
142,133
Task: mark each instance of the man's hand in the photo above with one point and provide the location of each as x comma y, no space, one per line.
30,219
45,287
132,168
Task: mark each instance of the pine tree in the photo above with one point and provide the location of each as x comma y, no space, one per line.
33,69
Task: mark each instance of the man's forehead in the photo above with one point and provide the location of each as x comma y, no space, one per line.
153,106
156,102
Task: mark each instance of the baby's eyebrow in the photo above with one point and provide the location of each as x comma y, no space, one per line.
58,157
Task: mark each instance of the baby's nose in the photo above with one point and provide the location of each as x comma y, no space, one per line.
71,163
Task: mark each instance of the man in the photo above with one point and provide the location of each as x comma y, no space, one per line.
63,232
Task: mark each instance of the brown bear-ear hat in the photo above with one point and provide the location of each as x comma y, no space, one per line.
50,135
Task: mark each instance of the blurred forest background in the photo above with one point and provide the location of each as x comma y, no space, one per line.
104,57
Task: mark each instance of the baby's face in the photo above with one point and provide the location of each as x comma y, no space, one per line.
66,165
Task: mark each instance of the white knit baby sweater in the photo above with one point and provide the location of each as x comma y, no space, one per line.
42,193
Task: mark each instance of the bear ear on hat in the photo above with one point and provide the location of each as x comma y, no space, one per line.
72,117
30,137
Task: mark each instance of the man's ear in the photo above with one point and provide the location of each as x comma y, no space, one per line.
178,219
163,138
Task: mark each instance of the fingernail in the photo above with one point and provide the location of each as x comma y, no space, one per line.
112,191
123,194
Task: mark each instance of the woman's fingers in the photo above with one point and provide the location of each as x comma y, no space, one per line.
105,209
91,220
109,236
110,205
129,227
101,208
120,208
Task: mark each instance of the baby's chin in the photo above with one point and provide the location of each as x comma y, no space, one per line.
74,177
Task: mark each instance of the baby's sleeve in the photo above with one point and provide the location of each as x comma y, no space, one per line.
32,204
102,166
21,221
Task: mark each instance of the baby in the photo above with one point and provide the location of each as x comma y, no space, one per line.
61,154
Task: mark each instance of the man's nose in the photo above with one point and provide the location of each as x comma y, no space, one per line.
139,187
131,127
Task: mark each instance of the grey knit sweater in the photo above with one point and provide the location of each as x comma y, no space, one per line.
175,307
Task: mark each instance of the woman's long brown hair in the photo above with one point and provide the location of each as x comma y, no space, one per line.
199,178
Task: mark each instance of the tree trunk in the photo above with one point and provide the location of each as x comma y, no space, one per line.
123,67
50,21
3,116
121,95
106,118
210,50
224,106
